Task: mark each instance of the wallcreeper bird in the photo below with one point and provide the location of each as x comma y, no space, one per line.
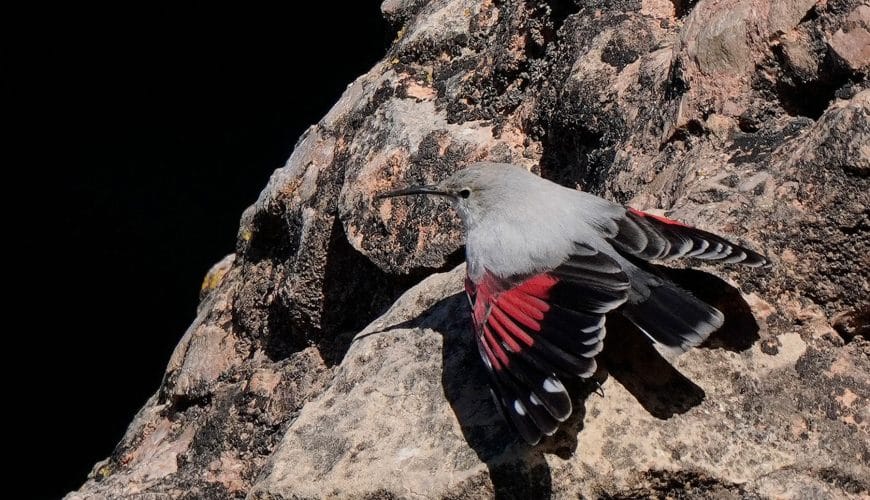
546,263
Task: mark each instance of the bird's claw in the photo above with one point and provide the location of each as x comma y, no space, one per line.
598,388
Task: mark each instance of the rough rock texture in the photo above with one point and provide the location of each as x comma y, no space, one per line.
746,117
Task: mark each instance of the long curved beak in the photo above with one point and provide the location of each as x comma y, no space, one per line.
431,189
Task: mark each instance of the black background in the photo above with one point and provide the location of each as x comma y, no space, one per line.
145,132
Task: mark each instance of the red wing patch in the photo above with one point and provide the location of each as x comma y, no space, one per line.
659,218
520,319
532,331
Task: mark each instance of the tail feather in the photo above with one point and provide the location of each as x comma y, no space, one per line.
674,317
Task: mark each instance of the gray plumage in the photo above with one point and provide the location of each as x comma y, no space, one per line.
518,223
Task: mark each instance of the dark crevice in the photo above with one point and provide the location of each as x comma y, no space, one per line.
574,154
280,339
618,55
694,128
854,323
757,140
401,17
844,481
349,304
748,124
810,97
676,82
682,484
577,133
270,236
683,7
560,10
811,15
183,402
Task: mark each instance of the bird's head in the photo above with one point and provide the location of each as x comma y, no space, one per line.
471,190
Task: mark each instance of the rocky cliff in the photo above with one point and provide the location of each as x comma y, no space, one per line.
745,117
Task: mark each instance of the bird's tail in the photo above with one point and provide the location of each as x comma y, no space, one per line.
672,316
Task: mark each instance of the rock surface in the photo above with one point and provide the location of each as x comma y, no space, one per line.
747,117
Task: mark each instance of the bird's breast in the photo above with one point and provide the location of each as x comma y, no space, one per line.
508,250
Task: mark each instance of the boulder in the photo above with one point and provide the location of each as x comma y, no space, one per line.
331,355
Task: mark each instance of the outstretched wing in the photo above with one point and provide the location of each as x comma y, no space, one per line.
534,330
653,237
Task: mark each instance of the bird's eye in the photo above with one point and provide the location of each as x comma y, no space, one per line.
464,193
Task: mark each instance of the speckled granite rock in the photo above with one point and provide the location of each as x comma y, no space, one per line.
747,117
409,413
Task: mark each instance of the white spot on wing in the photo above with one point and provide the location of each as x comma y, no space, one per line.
596,326
487,362
699,250
685,246
553,385
596,349
591,371
596,338
609,306
740,257
483,355
518,407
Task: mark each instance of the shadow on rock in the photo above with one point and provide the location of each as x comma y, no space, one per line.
629,355
631,359
516,470
740,330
